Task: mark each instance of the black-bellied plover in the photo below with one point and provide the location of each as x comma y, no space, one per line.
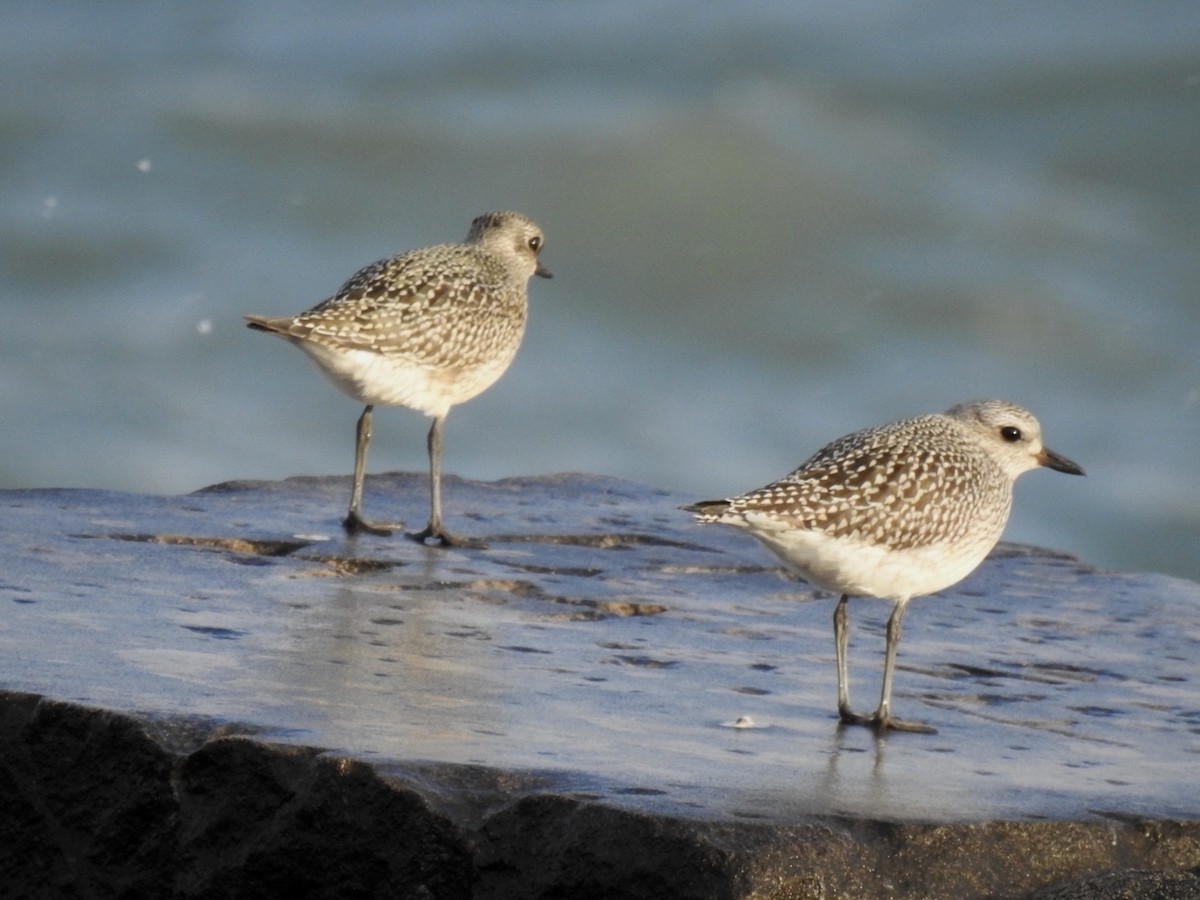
894,512
426,329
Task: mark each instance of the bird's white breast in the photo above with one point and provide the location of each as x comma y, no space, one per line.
863,568
378,379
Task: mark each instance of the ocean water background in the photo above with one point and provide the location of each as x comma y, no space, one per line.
770,224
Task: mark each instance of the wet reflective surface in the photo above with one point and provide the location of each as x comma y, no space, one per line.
604,644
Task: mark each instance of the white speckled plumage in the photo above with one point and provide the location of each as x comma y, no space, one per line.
894,512
427,329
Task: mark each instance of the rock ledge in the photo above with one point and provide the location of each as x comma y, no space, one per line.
219,695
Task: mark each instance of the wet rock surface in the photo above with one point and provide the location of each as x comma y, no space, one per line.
221,695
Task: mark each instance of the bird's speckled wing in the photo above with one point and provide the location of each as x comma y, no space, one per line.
444,306
885,486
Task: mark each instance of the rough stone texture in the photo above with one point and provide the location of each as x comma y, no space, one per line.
1131,885
96,806
208,697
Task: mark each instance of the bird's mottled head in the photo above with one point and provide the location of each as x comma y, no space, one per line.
512,237
1012,436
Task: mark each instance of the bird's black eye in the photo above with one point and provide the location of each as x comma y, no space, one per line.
535,243
1010,433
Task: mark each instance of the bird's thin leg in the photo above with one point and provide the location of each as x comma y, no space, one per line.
434,529
882,719
354,522
841,639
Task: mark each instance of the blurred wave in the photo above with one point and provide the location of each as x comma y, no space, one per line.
770,225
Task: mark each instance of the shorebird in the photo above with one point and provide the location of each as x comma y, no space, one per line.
894,512
427,329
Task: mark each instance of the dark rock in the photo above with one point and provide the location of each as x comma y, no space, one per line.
286,822
88,801
1131,885
94,806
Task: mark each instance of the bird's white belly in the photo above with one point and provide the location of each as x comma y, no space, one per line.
859,568
379,380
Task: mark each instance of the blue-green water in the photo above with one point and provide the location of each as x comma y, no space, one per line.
770,224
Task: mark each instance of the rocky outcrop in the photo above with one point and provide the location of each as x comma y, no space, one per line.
220,696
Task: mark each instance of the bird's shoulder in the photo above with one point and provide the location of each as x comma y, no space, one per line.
418,279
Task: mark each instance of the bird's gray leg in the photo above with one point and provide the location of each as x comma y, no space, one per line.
841,639
434,529
354,522
882,719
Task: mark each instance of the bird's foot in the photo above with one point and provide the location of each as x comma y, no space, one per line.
847,716
356,524
882,722
443,538
888,723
